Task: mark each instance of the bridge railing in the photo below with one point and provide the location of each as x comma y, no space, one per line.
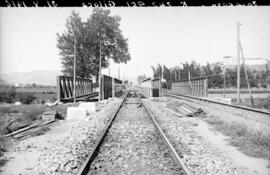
195,87
65,86
110,86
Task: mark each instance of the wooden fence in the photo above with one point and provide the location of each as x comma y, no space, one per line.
194,87
65,88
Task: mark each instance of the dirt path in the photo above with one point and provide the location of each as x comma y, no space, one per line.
246,165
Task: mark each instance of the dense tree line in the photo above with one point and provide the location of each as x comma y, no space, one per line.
8,94
215,74
99,35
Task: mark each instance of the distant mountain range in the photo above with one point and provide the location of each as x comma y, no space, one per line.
39,77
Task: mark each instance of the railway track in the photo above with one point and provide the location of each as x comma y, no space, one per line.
133,143
179,96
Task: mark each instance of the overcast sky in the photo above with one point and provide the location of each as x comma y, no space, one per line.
165,35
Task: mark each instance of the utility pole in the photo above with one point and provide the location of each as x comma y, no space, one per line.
99,78
238,64
224,76
109,67
171,78
74,71
119,72
160,82
224,83
189,79
161,73
175,75
246,76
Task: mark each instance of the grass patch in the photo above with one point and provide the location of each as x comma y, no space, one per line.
7,110
4,144
252,143
14,117
261,103
41,131
25,119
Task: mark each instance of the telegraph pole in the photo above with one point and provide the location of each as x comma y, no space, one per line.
161,73
74,71
224,77
238,64
224,83
109,67
119,72
99,76
246,76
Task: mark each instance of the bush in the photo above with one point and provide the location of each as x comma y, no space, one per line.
25,97
25,119
7,110
264,86
17,124
53,99
33,115
7,93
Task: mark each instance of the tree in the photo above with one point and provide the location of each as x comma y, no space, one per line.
166,73
217,80
154,71
140,78
100,32
157,71
7,93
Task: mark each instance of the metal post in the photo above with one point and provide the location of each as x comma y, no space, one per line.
238,65
74,71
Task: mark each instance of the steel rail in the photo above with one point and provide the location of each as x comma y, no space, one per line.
211,101
86,166
166,140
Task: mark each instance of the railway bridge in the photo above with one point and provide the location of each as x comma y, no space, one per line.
85,89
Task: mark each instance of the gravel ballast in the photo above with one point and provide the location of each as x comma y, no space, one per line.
133,146
68,154
198,155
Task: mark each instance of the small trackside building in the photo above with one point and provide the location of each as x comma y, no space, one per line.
151,87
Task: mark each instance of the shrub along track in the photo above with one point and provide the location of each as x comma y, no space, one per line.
133,143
